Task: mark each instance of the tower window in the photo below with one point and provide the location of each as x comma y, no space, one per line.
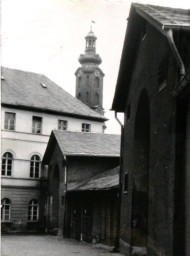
5,209
96,99
87,80
97,82
35,164
62,125
79,81
87,97
33,210
9,123
36,124
79,96
86,127
7,164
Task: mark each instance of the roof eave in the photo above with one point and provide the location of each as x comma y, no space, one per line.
51,111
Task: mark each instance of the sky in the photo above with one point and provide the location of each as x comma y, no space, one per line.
47,36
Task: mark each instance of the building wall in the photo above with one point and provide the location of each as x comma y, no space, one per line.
23,145
20,198
159,175
49,122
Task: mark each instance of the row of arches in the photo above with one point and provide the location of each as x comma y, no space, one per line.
33,210
8,160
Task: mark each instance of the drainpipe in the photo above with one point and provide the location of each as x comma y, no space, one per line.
65,192
169,35
120,188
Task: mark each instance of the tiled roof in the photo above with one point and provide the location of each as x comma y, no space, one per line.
165,16
88,144
104,181
31,90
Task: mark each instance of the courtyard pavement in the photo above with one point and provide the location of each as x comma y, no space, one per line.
46,245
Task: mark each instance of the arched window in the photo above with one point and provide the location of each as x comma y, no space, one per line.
35,164
33,210
5,209
96,99
7,164
79,81
87,80
87,97
79,96
97,82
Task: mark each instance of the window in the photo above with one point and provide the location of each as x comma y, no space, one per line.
79,96
9,123
33,210
96,99
36,124
86,127
7,164
35,164
97,82
5,209
87,80
80,81
62,125
126,183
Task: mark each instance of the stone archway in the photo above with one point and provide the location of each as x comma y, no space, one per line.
140,192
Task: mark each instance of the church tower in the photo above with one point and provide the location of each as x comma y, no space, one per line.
89,77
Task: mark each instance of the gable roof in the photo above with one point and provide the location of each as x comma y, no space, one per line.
26,90
159,17
83,144
104,181
164,16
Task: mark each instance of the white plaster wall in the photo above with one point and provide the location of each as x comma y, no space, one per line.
49,122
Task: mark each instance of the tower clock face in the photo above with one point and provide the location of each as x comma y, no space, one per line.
97,73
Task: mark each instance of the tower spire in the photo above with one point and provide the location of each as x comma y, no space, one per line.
89,77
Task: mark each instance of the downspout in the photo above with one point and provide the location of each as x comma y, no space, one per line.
120,187
65,192
169,34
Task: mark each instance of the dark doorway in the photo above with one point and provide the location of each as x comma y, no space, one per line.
139,222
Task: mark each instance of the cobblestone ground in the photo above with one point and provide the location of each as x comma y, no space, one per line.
35,245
